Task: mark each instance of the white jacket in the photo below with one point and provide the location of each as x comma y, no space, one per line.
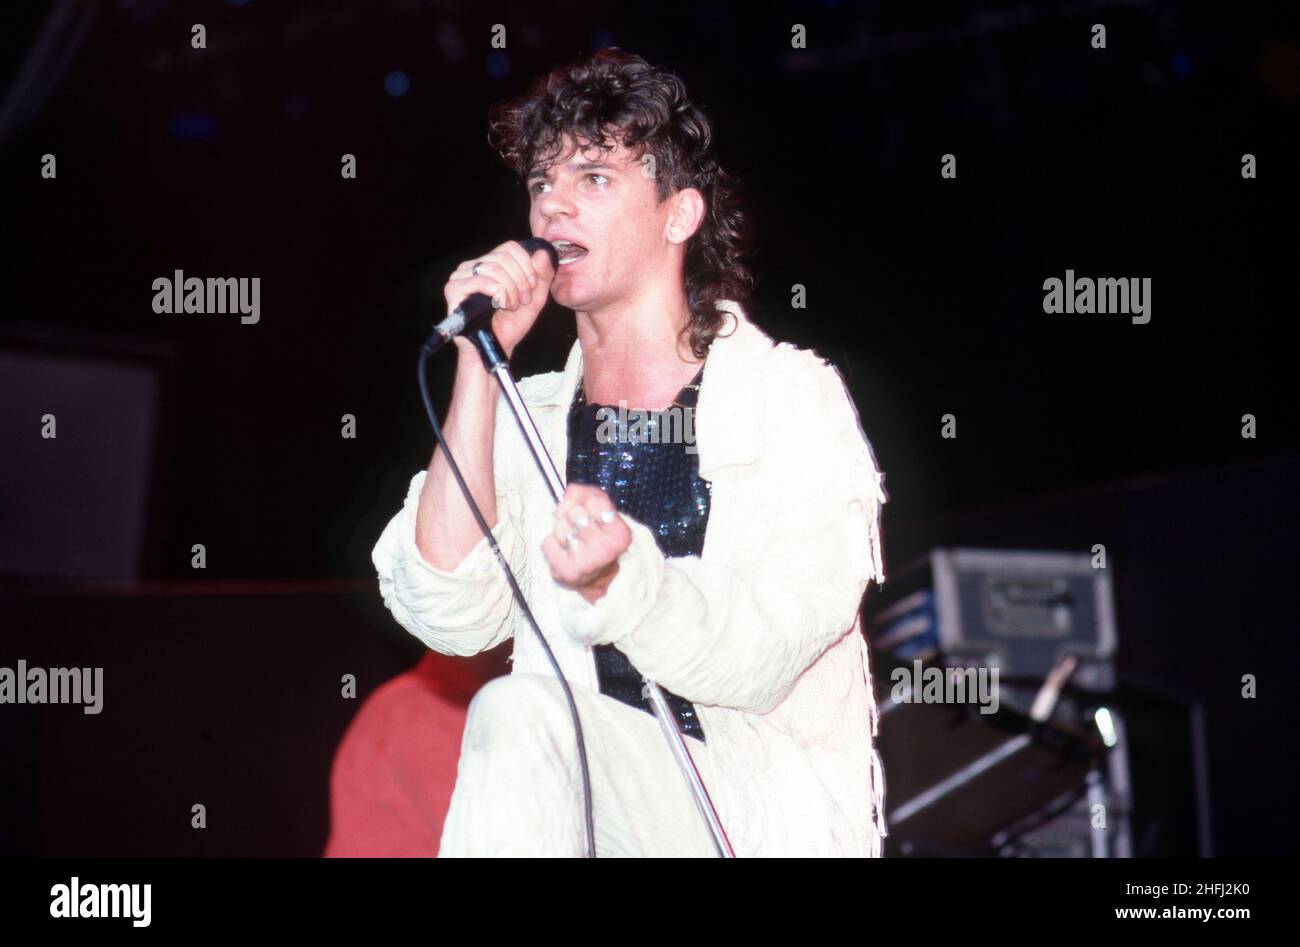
761,631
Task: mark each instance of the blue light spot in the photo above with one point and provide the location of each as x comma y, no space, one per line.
192,126
1182,65
498,64
397,83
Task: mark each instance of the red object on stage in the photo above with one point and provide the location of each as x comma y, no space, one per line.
395,768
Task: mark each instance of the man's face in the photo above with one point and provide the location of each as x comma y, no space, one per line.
604,203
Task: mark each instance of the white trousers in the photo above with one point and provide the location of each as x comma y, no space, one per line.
519,786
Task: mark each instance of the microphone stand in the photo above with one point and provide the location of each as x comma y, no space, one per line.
494,360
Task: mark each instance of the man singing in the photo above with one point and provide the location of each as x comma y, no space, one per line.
729,570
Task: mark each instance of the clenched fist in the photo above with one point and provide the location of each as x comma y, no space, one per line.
518,284
589,537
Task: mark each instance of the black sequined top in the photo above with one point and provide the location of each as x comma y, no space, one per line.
648,464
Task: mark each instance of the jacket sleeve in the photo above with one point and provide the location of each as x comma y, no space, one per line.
739,633
465,610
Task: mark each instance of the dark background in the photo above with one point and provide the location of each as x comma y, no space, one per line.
925,292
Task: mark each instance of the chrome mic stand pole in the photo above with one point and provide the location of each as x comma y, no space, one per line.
495,362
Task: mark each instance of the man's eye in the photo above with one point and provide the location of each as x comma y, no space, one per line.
532,188
602,177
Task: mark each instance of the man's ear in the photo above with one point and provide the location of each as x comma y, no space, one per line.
685,215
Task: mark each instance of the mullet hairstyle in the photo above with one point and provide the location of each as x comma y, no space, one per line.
616,97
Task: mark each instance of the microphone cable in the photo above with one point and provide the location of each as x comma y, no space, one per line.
426,351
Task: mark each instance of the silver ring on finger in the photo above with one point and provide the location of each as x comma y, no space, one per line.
474,269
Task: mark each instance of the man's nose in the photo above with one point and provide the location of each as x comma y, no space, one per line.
554,203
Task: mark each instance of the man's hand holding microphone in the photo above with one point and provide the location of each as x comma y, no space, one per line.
517,283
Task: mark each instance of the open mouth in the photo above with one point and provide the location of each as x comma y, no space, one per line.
569,251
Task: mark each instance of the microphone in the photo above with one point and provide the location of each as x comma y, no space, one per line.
476,311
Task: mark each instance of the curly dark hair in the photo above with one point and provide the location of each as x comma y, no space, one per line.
615,97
